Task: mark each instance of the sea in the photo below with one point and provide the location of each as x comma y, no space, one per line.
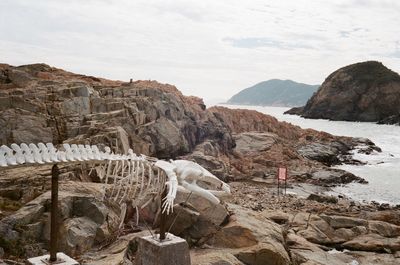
382,170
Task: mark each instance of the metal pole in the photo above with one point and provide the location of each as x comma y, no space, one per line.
163,218
54,212
277,178
285,179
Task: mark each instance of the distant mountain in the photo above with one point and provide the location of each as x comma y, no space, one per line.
275,92
366,91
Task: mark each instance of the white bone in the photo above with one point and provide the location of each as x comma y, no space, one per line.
3,162
83,152
89,152
96,152
44,152
53,153
19,156
107,153
200,191
36,153
27,153
76,152
9,155
62,156
69,155
123,214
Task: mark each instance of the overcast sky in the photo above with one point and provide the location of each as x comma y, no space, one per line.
207,48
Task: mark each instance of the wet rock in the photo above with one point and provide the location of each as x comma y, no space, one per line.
320,152
332,177
322,198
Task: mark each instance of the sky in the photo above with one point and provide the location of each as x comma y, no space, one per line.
208,48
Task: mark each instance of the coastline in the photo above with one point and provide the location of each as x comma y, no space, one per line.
374,165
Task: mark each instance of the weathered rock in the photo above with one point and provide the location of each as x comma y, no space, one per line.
322,198
370,258
84,220
373,242
343,221
332,177
366,91
80,234
41,103
256,239
304,252
119,252
214,257
389,216
254,141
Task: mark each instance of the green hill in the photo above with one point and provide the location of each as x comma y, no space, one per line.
275,92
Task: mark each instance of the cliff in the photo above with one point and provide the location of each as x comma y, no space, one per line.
40,103
366,91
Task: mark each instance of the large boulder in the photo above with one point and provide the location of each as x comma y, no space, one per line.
252,238
119,252
84,221
366,91
213,257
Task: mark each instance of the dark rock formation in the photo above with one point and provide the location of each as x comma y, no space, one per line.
366,91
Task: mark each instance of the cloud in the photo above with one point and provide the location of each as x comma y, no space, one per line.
207,48
253,42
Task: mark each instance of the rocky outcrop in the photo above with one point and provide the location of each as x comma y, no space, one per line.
366,91
44,104
40,103
84,220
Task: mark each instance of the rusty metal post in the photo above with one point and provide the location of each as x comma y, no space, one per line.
54,212
163,218
277,178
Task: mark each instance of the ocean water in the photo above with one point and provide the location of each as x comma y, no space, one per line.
382,170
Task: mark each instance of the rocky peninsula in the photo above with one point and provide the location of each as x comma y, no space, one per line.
366,91
254,226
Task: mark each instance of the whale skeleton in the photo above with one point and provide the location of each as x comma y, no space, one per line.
127,178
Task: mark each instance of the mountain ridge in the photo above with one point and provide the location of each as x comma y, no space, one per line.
275,92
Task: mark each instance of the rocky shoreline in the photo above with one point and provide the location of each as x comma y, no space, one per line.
366,91
242,147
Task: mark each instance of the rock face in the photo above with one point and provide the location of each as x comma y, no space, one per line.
85,222
366,91
275,92
40,103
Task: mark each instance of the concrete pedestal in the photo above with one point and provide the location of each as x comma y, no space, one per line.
171,251
62,259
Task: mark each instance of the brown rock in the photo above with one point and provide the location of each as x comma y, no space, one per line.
366,91
374,242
